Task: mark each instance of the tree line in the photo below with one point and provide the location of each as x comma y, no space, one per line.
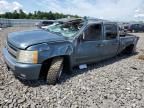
20,14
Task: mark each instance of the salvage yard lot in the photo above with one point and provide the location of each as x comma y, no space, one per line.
117,82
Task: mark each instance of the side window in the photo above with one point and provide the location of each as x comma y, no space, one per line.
111,31
93,32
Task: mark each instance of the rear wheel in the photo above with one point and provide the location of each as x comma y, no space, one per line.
129,50
55,70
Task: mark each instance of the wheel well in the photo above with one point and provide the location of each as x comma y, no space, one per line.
46,65
128,49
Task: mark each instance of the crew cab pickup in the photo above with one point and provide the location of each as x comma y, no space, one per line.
45,54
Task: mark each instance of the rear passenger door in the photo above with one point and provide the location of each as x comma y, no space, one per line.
111,40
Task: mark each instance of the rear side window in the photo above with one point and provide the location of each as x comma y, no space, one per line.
110,31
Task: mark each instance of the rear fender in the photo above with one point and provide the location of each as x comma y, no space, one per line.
127,41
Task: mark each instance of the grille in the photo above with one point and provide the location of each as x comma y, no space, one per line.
12,50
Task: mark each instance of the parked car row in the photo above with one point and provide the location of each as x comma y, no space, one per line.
123,28
137,27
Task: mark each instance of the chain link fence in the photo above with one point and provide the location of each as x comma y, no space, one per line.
14,25
18,22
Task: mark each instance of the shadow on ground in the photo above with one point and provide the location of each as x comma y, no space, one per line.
77,71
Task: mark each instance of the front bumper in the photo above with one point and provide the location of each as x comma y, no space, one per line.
23,71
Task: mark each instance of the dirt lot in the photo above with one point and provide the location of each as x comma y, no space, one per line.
114,83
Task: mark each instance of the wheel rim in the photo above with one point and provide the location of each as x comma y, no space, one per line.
60,72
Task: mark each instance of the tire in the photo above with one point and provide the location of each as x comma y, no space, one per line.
129,50
55,71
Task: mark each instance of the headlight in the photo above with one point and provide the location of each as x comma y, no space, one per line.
27,56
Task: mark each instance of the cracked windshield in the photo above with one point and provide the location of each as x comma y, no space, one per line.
67,29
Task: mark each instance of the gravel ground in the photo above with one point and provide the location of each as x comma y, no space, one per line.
114,83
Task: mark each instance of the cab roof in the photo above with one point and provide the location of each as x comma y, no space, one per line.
90,21
87,20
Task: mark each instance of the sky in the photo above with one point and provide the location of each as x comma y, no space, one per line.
120,10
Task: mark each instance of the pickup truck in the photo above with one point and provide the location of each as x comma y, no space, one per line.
45,54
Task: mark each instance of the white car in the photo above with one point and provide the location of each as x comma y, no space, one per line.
43,24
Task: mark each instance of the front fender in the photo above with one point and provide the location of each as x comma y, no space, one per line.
55,50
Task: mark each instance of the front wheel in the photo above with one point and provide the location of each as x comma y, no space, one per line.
55,70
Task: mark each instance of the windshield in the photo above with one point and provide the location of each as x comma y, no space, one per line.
67,29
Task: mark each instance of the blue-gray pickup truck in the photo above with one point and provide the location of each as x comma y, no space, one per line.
45,54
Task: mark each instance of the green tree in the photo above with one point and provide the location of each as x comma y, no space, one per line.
8,15
22,14
35,15
15,15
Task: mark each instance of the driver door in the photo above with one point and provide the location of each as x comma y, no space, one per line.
89,48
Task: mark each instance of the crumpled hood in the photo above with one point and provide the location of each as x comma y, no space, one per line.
26,38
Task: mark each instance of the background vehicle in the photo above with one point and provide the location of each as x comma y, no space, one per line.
44,24
136,28
45,54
